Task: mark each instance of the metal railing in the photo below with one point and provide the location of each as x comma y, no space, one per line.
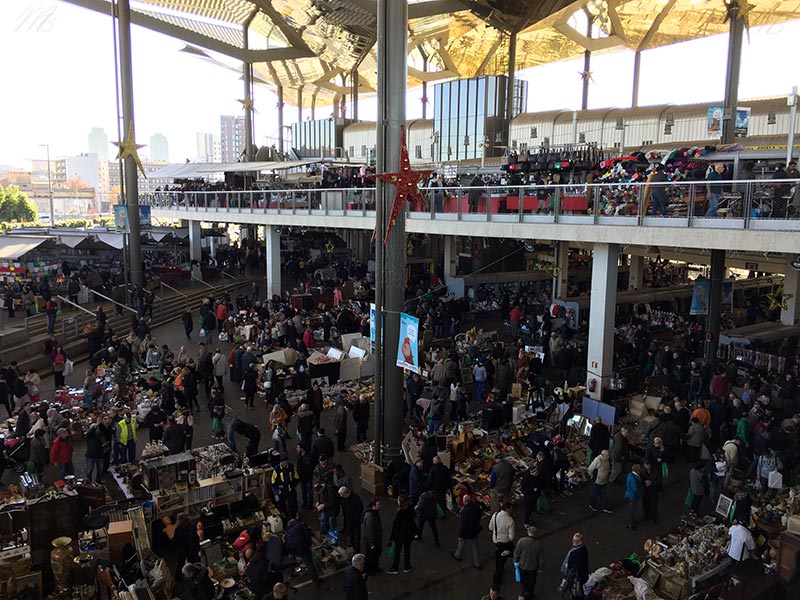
742,204
205,283
78,306
177,291
114,302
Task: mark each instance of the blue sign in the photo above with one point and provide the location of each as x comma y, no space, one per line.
408,344
700,296
372,326
145,219
121,218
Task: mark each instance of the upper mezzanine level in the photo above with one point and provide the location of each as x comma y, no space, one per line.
753,215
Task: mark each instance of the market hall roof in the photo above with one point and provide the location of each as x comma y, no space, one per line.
314,45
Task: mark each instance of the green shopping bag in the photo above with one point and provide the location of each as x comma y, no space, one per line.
542,503
664,470
689,498
390,550
588,457
439,512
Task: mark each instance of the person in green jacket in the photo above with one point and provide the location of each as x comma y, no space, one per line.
126,439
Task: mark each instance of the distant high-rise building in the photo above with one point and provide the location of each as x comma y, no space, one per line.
159,148
231,138
207,148
98,143
82,167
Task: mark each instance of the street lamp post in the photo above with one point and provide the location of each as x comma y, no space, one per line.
50,187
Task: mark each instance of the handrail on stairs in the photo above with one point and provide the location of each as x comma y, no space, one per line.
177,291
205,283
78,306
114,301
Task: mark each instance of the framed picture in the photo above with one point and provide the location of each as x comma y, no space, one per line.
671,589
650,574
724,505
27,587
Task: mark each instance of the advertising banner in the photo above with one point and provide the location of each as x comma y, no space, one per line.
372,326
700,296
408,345
121,218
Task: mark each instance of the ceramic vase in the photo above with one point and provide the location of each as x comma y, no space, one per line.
61,557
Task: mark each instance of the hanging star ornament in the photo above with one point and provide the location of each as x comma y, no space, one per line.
779,300
129,147
246,103
739,9
406,185
586,75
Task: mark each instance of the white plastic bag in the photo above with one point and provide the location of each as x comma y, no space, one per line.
642,589
775,480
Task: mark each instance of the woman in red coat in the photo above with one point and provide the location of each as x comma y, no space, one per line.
61,453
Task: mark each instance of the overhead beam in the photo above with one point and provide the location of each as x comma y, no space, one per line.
656,25
434,8
291,35
186,35
489,55
429,76
273,54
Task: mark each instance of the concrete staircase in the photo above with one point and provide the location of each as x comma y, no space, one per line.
23,339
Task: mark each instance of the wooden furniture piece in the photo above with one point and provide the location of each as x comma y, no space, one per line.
787,557
119,534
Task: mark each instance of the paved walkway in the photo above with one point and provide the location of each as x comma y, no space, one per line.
437,576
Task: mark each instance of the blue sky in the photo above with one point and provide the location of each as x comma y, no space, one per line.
59,81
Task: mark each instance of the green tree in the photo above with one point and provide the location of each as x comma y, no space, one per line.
15,205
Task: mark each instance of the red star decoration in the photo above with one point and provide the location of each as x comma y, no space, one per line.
405,182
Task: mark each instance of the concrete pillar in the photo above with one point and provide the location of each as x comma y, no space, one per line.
791,285
735,43
562,262
714,318
600,352
635,272
195,248
450,257
273,255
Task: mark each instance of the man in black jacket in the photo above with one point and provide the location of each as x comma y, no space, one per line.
355,579
352,510
372,535
439,481
322,444
599,438
469,526
305,470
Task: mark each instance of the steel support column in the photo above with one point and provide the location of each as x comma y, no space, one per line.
735,40
354,94
637,70
714,317
300,104
512,71
280,119
247,72
391,258
587,63
130,174
195,249
561,278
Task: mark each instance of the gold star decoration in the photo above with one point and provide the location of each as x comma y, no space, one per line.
406,183
247,103
586,75
129,147
779,300
329,246
739,9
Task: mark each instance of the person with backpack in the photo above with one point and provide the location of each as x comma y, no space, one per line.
247,545
575,569
501,527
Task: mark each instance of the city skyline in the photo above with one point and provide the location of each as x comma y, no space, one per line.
179,95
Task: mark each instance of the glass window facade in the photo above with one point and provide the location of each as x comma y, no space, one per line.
469,114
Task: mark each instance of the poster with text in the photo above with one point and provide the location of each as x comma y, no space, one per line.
121,218
145,216
700,294
727,294
408,347
714,121
372,326
742,123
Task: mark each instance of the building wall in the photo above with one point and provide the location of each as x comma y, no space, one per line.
98,143
159,148
231,137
